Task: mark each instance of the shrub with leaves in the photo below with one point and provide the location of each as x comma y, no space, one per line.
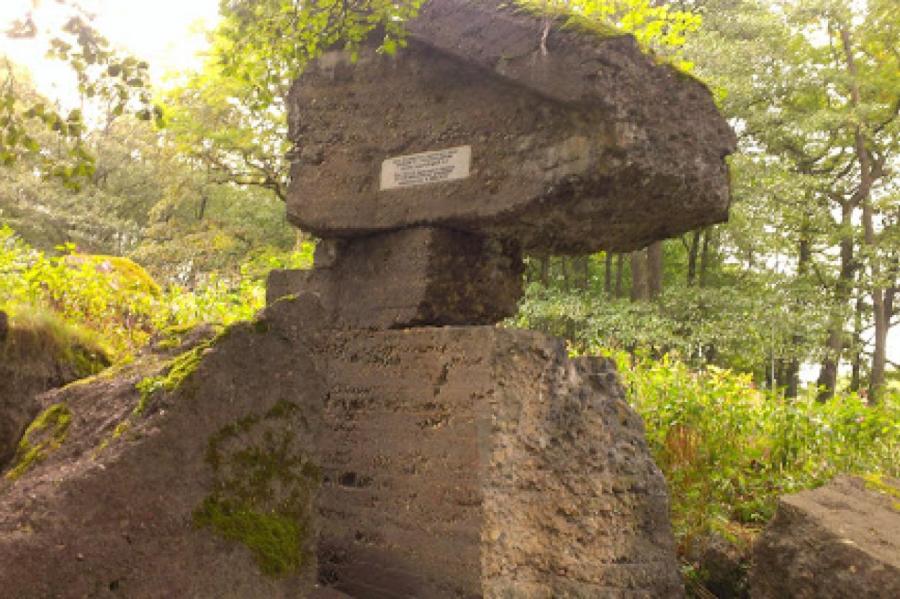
118,300
729,449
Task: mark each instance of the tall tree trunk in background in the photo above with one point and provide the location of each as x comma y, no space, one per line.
869,172
705,255
201,209
693,254
582,267
856,364
607,274
567,279
654,269
791,373
620,274
834,343
544,270
639,290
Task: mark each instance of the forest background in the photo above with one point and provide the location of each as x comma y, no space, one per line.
758,351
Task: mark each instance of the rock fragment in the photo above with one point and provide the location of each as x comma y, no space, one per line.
841,540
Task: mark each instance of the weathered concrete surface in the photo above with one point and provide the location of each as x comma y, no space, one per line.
841,540
474,461
121,499
591,145
410,278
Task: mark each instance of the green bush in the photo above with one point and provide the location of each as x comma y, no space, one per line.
729,449
116,299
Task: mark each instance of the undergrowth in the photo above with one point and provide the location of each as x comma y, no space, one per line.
729,449
114,300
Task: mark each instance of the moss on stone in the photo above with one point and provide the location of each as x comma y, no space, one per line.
176,371
876,482
264,488
564,18
44,337
44,435
274,539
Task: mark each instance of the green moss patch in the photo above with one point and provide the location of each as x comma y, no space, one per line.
264,489
876,482
565,18
176,371
272,537
44,435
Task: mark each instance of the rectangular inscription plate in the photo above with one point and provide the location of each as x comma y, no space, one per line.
428,167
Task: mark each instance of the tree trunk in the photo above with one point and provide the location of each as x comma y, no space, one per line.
693,254
582,271
856,373
545,270
654,269
567,279
834,343
791,373
705,256
639,290
607,274
620,274
869,172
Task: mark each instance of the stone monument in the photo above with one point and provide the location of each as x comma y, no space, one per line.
430,172
468,461
372,432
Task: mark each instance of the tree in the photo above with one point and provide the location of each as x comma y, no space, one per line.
106,79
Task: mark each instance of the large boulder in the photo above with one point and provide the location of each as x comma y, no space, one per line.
841,540
503,123
176,476
476,461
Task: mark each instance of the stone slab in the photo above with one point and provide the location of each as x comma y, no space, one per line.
589,145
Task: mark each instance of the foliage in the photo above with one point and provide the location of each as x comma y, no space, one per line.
741,320
656,26
266,44
117,83
115,298
728,449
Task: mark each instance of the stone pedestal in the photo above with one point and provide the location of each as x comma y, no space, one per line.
411,277
475,461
